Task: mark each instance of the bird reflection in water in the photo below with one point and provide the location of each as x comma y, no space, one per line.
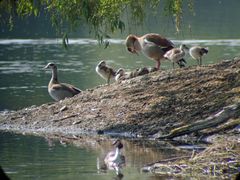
114,160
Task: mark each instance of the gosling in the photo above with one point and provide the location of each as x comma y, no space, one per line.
176,55
105,71
196,52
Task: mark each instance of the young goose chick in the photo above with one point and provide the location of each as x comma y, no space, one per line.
114,159
59,91
105,71
176,55
151,45
120,75
152,69
197,52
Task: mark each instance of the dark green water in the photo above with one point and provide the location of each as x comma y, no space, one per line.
30,157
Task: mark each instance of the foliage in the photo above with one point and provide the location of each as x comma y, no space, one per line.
103,16
175,8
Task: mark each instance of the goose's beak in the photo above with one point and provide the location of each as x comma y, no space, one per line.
135,52
131,50
45,67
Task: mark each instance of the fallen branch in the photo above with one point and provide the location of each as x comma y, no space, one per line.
169,160
212,121
66,117
230,124
221,160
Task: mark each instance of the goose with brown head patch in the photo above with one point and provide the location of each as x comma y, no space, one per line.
57,90
152,45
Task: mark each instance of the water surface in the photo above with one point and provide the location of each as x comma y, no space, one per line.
31,157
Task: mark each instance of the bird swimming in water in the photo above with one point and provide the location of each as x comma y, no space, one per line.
59,91
153,46
114,159
176,55
196,52
105,71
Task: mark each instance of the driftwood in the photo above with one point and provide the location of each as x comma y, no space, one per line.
66,117
230,124
220,160
221,117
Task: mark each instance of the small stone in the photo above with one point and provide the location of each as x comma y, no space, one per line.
64,108
100,132
76,122
199,91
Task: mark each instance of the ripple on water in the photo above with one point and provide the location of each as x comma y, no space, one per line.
84,41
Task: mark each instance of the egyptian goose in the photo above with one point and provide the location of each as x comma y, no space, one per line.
114,159
105,71
197,52
176,55
151,45
59,91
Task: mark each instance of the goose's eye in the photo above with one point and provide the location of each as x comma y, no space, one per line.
129,49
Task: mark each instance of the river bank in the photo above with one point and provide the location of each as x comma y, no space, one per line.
149,106
193,103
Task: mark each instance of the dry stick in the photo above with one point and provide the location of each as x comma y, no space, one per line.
170,159
66,117
232,123
212,121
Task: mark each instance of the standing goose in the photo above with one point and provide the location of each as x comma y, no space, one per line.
59,91
197,52
176,55
114,159
151,45
105,71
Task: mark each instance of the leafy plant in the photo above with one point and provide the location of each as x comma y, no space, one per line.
103,16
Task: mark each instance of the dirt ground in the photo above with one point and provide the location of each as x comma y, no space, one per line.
145,106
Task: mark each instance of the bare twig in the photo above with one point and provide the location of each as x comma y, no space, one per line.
66,117
212,121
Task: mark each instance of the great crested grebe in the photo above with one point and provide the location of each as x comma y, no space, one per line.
114,159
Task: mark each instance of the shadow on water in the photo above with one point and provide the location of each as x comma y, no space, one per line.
3,175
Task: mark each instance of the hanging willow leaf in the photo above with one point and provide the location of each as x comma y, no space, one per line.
102,16
121,26
65,40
